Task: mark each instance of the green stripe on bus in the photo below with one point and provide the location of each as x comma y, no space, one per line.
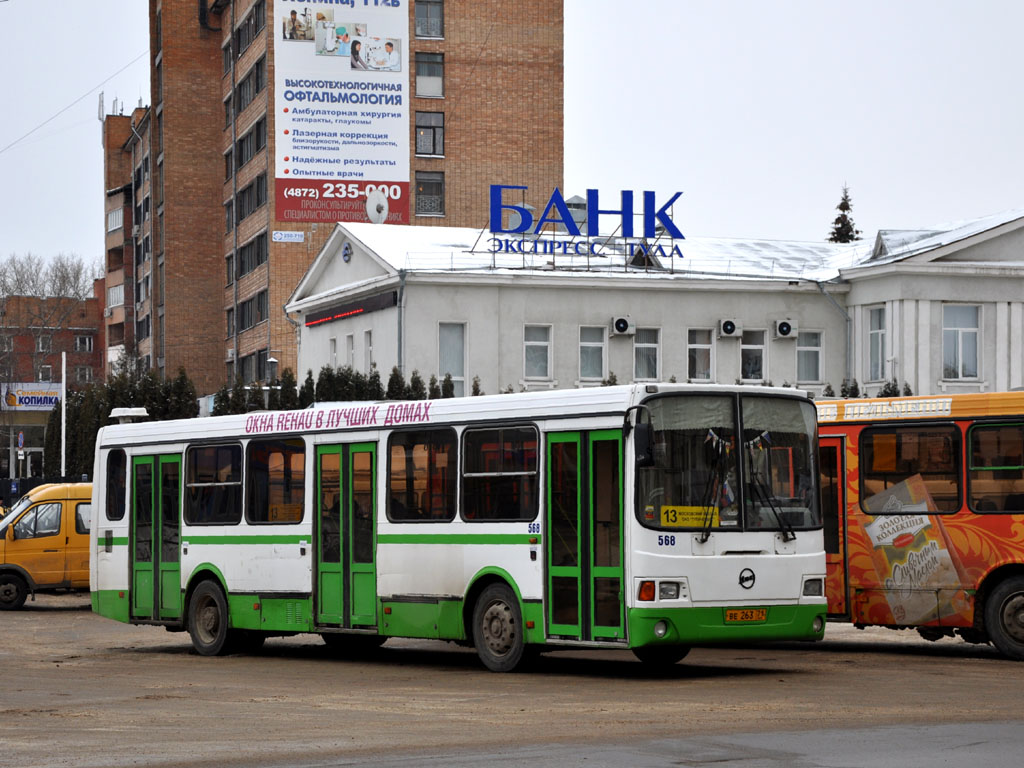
457,538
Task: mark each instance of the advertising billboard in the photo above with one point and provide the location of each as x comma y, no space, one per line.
30,396
341,73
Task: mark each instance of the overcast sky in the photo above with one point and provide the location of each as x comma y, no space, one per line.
758,111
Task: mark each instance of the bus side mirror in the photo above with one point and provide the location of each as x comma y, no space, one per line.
643,444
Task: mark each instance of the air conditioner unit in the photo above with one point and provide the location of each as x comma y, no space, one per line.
785,329
108,311
231,354
623,326
135,231
730,328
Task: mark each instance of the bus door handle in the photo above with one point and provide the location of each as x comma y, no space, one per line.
184,547
302,549
51,550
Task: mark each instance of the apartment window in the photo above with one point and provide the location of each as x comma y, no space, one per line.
645,353
252,197
229,267
45,373
252,311
248,368
261,365
44,344
451,345
6,343
145,208
250,86
429,18
252,142
83,374
229,164
430,75
226,57
592,353
350,350
230,322
537,351
229,215
227,112
83,343
960,325
808,356
115,219
252,254
251,26
115,295
876,343
429,133
143,329
429,193
752,352
334,353
698,354
367,350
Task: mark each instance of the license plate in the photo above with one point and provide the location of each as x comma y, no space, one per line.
733,615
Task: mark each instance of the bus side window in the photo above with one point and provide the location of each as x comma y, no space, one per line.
117,478
996,471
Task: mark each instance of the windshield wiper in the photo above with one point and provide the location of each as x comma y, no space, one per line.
712,493
767,498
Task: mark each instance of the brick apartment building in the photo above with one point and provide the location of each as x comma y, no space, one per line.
210,218
34,333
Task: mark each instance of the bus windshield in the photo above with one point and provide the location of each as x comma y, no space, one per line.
722,467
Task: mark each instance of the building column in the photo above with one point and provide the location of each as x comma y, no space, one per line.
924,385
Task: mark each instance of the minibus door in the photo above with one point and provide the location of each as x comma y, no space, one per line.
585,596
833,511
156,532
346,579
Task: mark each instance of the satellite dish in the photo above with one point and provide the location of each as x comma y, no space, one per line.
376,206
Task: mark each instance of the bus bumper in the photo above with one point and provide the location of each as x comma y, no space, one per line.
696,626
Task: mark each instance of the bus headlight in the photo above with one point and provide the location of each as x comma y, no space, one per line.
668,590
814,587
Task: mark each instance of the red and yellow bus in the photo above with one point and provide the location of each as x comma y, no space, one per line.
923,503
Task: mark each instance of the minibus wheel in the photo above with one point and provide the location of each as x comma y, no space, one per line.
1004,617
208,620
498,629
13,591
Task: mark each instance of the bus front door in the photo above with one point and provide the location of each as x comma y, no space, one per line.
156,529
833,510
584,536
346,580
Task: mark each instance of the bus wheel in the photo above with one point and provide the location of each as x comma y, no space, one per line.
13,592
1004,617
661,655
208,620
498,629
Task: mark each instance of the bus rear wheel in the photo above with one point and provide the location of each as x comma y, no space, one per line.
13,591
661,655
498,629
208,620
1004,617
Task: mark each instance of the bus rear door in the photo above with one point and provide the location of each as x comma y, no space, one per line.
346,581
584,536
156,532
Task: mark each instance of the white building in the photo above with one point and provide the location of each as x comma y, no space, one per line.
940,309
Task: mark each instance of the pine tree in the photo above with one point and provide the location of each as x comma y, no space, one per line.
239,396
433,389
254,398
843,228
396,385
417,389
447,386
289,393
307,395
907,391
221,402
477,391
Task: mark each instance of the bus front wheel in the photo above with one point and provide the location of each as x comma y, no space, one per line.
13,591
498,629
208,620
661,655
1004,617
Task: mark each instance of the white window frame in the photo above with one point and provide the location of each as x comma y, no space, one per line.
333,344
44,344
458,378
763,347
602,346
961,332
83,374
350,350
368,351
83,342
640,345
807,349
876,351
710,347
546,345
45,373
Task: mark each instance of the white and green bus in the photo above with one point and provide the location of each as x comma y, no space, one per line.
643,517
